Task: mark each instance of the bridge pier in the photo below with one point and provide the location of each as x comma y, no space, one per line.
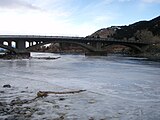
22,51
9,43
37,43
98,46
30,44
20,45
98,51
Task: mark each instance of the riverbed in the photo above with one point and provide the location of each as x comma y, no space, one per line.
117,88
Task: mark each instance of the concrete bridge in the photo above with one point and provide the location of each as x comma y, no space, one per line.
93,45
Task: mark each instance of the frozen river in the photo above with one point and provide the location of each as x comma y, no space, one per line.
124,87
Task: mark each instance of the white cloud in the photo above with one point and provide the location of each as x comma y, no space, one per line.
49,17
40,23
12,4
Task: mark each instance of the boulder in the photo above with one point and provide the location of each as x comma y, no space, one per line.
7,86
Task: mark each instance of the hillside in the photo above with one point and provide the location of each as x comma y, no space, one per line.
142,30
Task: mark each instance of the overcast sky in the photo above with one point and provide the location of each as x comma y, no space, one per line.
71,17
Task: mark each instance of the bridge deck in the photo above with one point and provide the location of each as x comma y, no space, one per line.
62,38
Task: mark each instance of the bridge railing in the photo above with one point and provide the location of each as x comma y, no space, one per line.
39,36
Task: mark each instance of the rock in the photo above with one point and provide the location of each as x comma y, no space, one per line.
6,109
1,109
61,117
91,118
10,111
17,110
10,118
2,92
19,117
50,101
61,99
92,101
23,91
7,86
67,107
18,101
25,101
40,113
28,114
56,106
3,103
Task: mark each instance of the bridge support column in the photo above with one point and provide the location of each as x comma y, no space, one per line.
10,43
22,51
37,43
20,45
98,46
30,44
97,51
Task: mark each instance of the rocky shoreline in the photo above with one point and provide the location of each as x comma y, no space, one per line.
25,106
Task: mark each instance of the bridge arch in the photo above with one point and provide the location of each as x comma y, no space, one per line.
83,45
8,48
132,46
